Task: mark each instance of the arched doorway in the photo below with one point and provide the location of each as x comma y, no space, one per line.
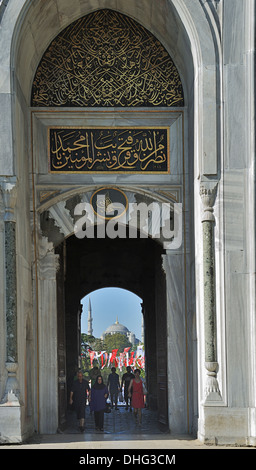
133,264
101,308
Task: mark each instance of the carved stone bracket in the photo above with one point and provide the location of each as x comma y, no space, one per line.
208,195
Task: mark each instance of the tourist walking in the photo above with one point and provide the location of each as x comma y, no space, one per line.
98,396
114,387
126,379
135,391
78,398
93,374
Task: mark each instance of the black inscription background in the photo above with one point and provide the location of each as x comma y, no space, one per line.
117,150
106,59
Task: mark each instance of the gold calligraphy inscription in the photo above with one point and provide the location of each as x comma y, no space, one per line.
101,149
106,59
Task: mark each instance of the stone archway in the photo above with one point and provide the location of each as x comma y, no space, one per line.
134,264
160,152
141,265
179,21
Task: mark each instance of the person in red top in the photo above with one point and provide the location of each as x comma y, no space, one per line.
135,391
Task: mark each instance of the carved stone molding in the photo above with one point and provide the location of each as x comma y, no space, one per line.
62,218
48,266
212,390
208,193
12,392
215,3
9,192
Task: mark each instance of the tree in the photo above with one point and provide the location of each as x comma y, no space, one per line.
116,341
89,341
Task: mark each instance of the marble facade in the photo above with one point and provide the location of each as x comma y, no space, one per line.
210,278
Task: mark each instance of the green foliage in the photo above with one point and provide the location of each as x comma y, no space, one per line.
116,341
94,343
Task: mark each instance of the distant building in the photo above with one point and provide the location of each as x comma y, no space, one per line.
119,328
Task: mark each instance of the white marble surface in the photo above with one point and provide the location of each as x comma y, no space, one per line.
214,52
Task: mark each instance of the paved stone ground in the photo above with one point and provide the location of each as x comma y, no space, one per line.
122,442
120,432
118,422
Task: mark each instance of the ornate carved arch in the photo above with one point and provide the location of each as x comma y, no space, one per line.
106,59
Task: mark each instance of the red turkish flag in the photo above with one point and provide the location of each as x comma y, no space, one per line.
114,353
91,356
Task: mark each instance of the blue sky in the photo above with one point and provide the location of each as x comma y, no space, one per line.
108,304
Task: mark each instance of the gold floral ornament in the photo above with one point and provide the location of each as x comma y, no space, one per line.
106,59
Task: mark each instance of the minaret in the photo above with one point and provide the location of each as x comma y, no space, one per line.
142,328
90,330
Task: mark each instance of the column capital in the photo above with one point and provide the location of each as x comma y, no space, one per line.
208,191
8,187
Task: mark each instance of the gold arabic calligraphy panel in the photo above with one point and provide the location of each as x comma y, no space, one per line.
106,59
102,149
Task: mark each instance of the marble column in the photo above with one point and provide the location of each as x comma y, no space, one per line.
12,393
208,195
47,341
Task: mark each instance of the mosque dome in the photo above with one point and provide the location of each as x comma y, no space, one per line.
116,328
113,329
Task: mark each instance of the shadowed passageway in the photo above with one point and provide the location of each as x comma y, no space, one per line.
118,422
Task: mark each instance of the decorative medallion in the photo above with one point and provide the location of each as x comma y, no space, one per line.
108,150
107,202
106,59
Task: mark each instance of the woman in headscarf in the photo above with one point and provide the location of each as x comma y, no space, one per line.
98,396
